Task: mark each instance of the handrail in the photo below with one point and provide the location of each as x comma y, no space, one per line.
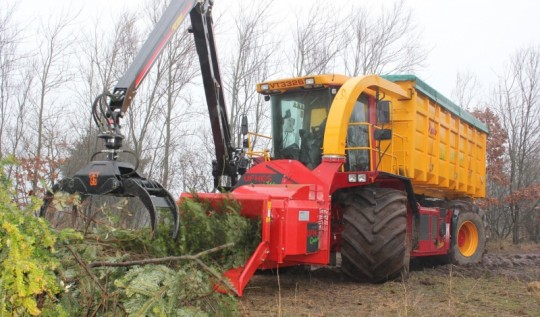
391,152
257,153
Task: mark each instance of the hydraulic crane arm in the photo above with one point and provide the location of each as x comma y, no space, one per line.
204,42
112,177
164,30
202,29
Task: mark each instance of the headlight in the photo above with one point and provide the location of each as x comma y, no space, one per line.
310,81
357,178
265,87
362,178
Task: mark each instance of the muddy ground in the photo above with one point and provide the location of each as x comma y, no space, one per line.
507,283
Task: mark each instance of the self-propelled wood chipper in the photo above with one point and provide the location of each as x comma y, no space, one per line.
371,170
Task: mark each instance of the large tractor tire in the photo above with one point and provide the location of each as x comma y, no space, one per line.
470,235
375,247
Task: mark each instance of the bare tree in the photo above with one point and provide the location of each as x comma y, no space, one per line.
21,103
51,70
194,168
179,62
317,39
518,104
369,43
388,43
249,64
104,56
466,90
17,140
9,37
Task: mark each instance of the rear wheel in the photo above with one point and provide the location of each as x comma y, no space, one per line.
469,240
375,246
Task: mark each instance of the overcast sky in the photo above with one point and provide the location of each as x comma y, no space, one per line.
462,35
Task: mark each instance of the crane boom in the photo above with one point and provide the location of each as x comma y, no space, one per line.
163,31
112,177
206,49
203,33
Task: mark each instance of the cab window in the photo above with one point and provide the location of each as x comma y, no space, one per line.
299,119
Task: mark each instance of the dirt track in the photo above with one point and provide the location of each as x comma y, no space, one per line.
507,283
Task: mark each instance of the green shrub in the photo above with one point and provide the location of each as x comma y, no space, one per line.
44,272
28,284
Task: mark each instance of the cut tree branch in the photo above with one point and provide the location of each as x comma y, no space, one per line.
86,268
160,260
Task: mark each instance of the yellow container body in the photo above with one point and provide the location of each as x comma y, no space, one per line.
436,144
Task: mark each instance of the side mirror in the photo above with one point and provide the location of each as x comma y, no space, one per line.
383,112
244,128
382,134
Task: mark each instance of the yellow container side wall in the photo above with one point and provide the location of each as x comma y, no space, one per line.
443,155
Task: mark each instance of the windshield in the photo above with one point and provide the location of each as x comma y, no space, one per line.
299,119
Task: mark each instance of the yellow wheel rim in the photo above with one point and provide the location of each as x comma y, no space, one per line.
467,238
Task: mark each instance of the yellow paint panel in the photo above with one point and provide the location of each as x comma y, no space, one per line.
445,155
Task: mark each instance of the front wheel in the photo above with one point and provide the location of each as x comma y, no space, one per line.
375,246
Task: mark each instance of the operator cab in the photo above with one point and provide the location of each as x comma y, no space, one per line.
299,109
299,119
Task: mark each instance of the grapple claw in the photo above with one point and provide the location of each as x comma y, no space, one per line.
113,178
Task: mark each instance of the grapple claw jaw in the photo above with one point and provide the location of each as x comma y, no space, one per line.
113,178
153,196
